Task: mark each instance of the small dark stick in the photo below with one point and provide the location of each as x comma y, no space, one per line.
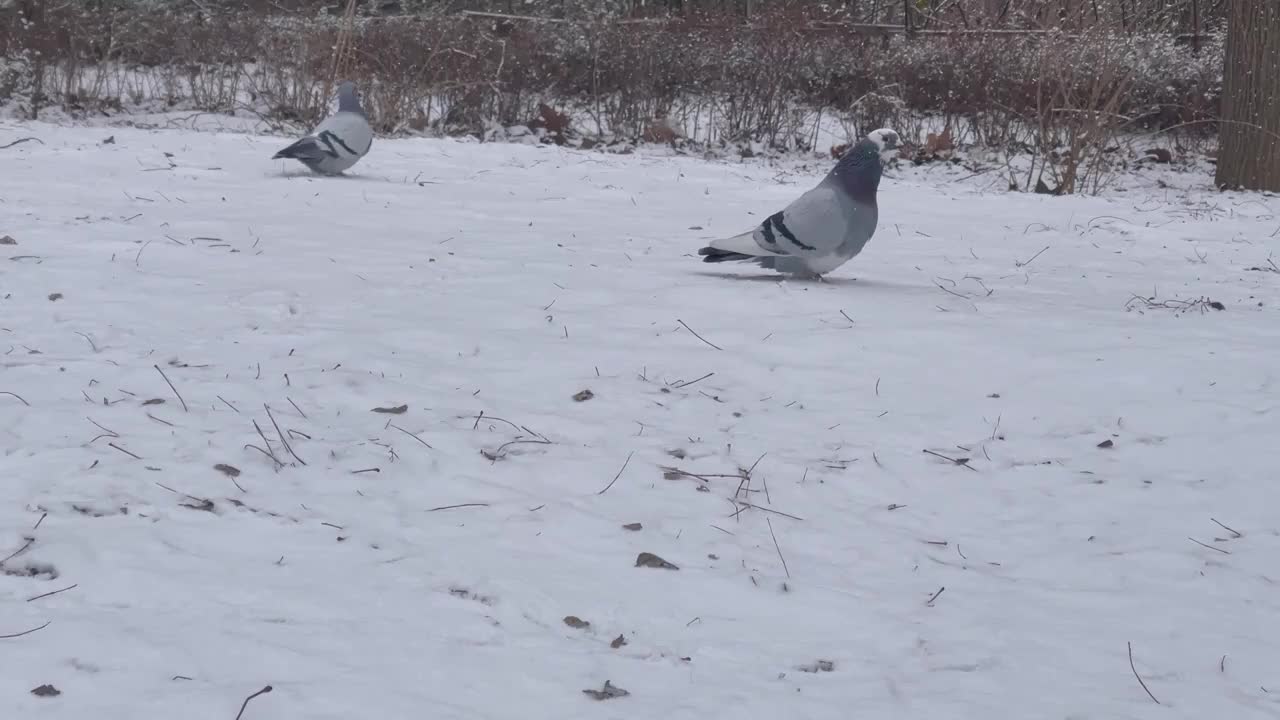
1203,545
1028,262
55,592
954,461
86,337
1139,677
269,452
245,704
406,432
746,504
679,385
171,387
20,398
108,432
935,596
1224,527
459,505
295,407
26,632
282,437
778,548
686,327
126,452
620,470
20,550
19,141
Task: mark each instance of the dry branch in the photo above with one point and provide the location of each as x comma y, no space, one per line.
245,704
171,387
19,141
406,432
54,592
778,548
620,471
16,395
283,440
695,334
1139,677
30,541
25,632
459,505
268,451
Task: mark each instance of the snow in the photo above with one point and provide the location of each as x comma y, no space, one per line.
483,285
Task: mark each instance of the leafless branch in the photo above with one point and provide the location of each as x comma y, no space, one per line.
778,548
283,440
20,141
245,704
695,334
620,470
25,632
13,394
1139,677
171,387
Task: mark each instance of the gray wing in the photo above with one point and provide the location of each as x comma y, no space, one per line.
814,224
345,134
305,149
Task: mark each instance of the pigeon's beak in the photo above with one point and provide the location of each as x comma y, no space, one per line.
891,148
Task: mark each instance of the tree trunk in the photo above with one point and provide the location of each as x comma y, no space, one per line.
1249,134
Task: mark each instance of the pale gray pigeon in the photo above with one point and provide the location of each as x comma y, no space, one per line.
337,143
823,228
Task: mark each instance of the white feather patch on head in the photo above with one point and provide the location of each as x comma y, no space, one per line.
887,142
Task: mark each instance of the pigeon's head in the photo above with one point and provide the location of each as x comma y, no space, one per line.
348,98
886,141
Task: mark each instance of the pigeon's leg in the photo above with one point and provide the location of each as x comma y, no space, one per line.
807,276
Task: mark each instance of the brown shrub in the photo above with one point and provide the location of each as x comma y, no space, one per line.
717,79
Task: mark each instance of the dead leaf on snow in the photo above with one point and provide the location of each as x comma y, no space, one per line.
645,559
229,470
204,504
608,692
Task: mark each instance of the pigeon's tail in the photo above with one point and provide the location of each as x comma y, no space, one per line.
712,255
305,150
738,247
715,255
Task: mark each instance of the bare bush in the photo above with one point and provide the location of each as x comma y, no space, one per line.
719,80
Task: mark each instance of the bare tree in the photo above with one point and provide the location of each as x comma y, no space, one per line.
1249,145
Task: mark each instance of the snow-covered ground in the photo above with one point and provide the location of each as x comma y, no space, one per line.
166,288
